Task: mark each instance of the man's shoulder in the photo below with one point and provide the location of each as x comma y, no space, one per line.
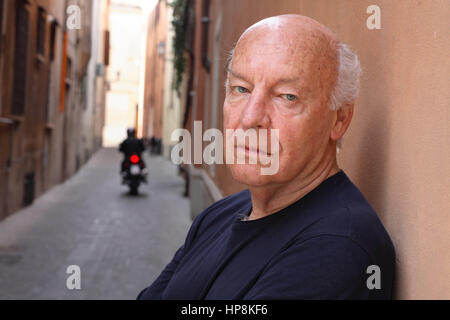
346,230
354,218
219,214
225,208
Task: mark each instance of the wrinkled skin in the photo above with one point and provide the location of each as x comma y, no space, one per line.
281,76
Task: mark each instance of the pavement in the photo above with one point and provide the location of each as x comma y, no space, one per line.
120,242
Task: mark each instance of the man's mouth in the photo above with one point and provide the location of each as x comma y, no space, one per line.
252,151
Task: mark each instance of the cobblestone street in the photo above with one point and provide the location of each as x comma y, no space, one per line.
120,242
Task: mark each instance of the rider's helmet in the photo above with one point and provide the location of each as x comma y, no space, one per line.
131,132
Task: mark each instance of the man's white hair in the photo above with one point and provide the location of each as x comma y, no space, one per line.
346,88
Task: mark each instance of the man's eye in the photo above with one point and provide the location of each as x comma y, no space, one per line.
241,89
289,97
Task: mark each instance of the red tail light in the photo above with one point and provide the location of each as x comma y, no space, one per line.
134,159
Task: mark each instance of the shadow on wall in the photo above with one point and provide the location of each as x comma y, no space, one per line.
373,144
373,148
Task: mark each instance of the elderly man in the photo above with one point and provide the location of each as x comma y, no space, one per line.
304,232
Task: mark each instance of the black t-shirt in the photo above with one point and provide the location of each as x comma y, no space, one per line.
319,247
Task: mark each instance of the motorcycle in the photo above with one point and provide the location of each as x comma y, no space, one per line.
134,173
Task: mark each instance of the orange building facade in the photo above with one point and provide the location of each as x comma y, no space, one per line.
154,72
50,110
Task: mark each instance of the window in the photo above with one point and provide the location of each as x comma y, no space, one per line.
20,60
157,15
53,40
84,92
41,31
1,48
69,70
107,45
1,19
205,34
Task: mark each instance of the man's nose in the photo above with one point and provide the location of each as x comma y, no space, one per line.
255,114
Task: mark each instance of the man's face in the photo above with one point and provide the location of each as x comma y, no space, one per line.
281,79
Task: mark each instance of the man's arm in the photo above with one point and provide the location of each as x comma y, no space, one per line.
155,291
323,267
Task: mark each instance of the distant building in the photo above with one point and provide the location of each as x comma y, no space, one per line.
49,124
157,82
97,84
127,26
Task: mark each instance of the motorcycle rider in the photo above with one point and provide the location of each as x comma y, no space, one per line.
131,145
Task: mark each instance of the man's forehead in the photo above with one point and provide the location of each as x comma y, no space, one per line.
287,56
287,49
278,77
297,45
271,62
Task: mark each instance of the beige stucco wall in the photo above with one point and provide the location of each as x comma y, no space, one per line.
397,150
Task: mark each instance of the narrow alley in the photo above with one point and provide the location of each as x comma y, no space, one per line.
120,242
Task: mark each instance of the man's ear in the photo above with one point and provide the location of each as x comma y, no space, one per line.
343,118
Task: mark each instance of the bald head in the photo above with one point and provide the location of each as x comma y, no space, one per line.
295,23
306,41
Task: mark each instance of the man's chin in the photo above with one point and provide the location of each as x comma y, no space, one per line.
249,175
